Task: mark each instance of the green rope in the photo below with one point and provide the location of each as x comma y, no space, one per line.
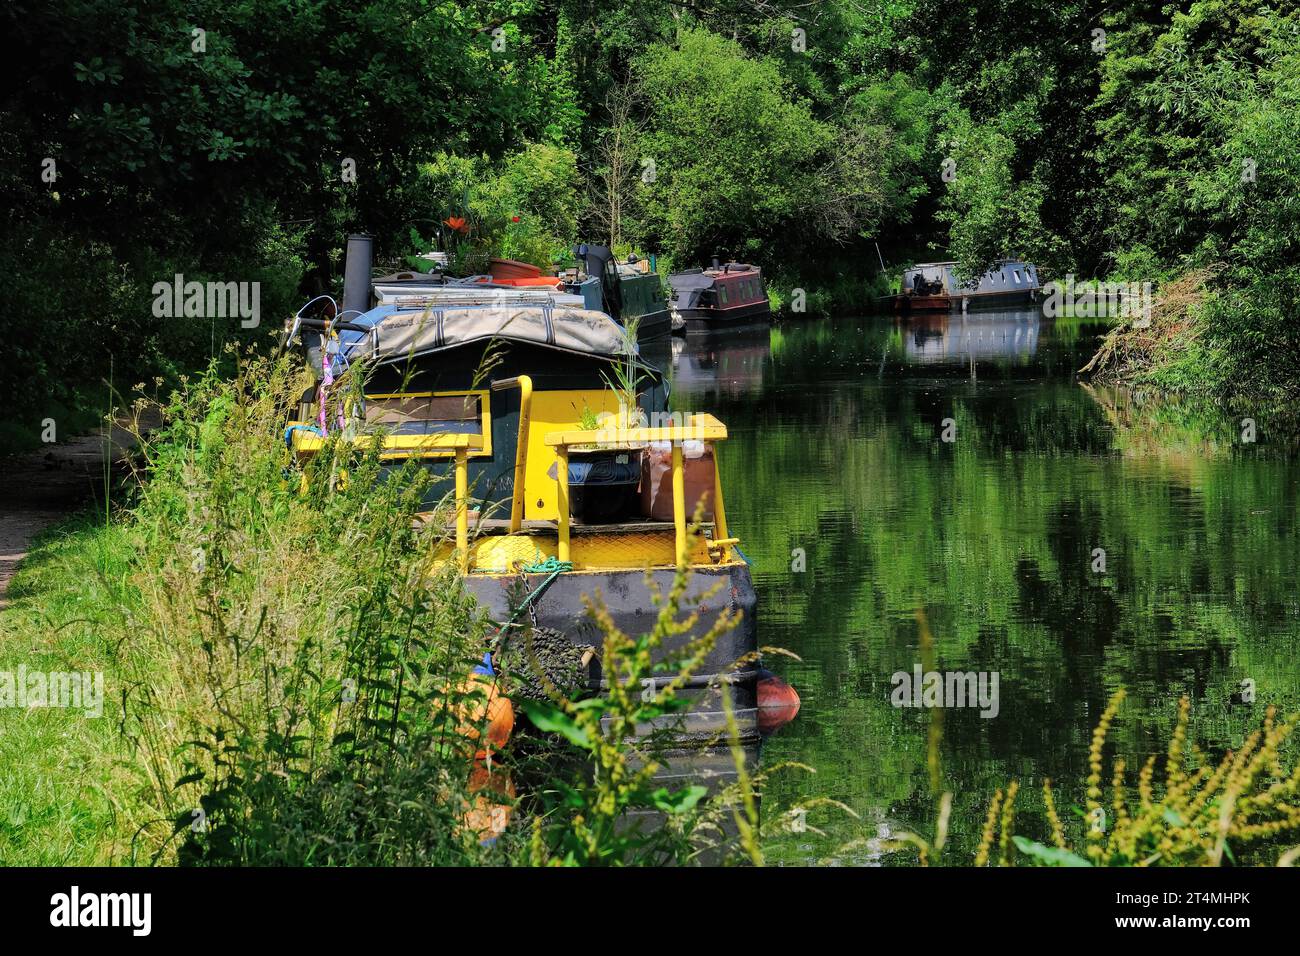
551,564
550,567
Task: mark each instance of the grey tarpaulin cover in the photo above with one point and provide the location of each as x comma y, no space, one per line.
410,333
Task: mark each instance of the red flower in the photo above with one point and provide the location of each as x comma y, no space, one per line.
457,223
514,218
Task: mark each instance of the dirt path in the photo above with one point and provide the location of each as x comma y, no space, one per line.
40,487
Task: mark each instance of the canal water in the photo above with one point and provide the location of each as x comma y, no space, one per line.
1067,540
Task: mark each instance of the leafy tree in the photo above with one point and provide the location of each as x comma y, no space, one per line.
741,164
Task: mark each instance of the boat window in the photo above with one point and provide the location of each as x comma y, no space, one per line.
722,293
1016,273
427,414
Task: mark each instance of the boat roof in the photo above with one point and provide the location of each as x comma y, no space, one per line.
420,295
936,265
398,332
703,278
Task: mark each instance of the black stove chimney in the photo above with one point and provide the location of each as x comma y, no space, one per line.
356,276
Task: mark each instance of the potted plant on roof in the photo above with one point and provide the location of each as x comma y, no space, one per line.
604,475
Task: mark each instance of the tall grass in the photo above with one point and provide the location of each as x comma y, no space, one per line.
291,673
1241,808
288,674
588,821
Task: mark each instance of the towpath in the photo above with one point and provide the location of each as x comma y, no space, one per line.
38,488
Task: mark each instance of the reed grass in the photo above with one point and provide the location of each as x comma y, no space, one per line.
1240,809
613,811
292,668
287,675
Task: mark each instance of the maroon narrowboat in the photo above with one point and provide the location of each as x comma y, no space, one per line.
730,294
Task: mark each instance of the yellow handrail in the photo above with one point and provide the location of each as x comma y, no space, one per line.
562,500
459,443
719,509
697,427
462,508
442,441
679,502
521,446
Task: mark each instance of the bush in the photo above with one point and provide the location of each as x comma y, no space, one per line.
88,333
524,208
297,678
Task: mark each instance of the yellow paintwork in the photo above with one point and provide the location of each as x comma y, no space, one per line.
699,426
555,410
462,509
719,508
679,502
407,446
562,501
631,551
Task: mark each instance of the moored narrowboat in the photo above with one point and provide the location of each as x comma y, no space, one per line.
631,292
627,292
566,484
721,295
934,287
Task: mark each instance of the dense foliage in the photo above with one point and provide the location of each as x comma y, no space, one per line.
243,141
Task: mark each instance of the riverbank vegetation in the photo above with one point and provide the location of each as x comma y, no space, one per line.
1243,809
1138,141
288,681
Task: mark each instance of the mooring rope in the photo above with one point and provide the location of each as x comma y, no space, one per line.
551,567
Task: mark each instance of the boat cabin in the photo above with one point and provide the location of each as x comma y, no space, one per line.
934,286
729,294
553,467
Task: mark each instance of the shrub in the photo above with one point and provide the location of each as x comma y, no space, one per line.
296,674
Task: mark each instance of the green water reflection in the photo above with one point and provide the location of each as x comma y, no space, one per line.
836,449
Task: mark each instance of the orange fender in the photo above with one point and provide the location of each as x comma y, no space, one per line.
778,703
496,710
489,817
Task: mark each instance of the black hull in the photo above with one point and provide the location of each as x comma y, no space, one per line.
628,600
698,320
654,325
993,300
